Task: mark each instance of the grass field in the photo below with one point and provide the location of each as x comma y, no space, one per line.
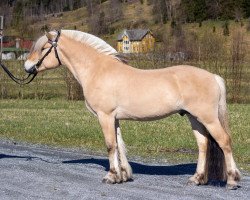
67,123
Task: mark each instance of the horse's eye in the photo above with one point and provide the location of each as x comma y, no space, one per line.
43,49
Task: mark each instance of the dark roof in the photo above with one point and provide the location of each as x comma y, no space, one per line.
8,38
133,34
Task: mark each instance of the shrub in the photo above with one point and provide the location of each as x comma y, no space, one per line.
226,28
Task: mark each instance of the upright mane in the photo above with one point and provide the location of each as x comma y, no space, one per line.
95,42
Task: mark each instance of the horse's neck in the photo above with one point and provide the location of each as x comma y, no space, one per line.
82,60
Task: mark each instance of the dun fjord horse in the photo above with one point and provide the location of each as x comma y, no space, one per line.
114,91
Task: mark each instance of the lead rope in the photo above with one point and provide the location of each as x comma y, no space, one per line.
17,80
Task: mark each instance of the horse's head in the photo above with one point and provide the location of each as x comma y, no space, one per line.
44,54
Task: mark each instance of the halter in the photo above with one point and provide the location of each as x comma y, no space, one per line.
17,80
34,68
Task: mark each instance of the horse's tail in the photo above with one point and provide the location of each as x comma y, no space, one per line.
223,115
215,163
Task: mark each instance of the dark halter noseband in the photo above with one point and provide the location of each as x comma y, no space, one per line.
33,69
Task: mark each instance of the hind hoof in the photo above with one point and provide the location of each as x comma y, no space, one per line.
233,187
197,179
233,178
126,175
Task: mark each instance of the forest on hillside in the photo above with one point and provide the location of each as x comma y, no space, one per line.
181,11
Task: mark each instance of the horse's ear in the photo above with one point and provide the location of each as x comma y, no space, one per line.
49,35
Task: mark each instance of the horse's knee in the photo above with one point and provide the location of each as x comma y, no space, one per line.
111,147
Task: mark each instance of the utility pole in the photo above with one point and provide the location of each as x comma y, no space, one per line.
1,37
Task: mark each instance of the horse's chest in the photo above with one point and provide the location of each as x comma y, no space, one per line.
90,108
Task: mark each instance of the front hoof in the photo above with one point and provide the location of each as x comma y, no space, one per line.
112,178
108,180
126,177
193,182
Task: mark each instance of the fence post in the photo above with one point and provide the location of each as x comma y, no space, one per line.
1,37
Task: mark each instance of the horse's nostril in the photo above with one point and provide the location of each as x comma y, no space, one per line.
32,70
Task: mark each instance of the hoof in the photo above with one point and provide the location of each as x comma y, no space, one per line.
126,176
112,178
197,179
233,187
233,179
108,180
192,183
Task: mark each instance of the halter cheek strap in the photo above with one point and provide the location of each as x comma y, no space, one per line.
54,45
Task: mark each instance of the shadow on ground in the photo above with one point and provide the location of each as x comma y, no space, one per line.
139,168
11,156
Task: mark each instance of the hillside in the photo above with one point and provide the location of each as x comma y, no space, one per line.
135,15
107,18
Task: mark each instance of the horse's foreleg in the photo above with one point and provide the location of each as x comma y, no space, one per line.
108,127
125,166
200,133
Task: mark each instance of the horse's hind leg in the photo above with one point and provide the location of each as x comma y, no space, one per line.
108,127
200,133
224,141
125,166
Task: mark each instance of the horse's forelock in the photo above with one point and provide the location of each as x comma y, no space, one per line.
39,44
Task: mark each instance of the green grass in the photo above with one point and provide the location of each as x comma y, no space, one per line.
68,124
46,85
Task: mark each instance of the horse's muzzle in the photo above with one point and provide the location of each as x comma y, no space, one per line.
32,70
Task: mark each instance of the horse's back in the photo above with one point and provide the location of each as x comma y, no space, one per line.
156,93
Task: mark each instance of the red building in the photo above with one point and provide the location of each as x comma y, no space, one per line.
15,48
16,43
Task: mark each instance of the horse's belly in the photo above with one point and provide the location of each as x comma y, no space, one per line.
148,108
143,116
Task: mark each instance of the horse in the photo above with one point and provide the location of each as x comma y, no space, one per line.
114,90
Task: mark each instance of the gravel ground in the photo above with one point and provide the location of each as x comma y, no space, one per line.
39,172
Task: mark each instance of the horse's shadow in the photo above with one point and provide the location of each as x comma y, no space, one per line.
138,168
3,156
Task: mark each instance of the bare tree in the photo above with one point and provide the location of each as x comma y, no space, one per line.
213,8
238,53
116,12
160,11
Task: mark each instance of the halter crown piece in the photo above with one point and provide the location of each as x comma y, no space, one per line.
33,69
